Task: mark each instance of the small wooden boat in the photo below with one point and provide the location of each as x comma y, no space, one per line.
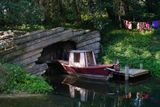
83,63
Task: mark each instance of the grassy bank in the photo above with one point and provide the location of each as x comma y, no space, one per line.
132,48
15,80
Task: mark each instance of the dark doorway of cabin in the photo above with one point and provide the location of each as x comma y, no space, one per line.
54,52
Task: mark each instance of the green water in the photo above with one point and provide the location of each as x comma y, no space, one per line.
73,92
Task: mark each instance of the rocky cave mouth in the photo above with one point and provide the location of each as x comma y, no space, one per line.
54,52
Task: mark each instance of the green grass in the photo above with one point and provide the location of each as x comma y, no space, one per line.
132,48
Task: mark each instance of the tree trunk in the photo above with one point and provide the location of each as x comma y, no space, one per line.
91,5
61,10
149,5
120,23
77,10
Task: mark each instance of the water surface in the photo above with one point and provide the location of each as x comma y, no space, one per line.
79,92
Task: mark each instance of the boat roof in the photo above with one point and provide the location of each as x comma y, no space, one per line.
79,51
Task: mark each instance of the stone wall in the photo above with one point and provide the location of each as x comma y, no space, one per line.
26,48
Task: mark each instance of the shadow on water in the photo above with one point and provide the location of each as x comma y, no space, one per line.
80,92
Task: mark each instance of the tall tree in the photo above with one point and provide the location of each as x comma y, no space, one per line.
77,10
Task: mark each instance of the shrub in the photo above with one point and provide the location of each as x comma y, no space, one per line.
17,80
34,84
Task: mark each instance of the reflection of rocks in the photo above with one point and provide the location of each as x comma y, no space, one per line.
83,92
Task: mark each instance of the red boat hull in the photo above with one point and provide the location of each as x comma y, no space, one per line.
93,70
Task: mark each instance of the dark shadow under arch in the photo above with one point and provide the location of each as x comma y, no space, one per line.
54,52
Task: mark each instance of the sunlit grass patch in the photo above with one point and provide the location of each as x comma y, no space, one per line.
132,48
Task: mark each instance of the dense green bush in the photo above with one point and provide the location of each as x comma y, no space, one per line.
17,80
132,48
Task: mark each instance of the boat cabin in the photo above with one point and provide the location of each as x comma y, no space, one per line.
82,58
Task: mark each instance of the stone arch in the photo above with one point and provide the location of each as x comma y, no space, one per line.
30,46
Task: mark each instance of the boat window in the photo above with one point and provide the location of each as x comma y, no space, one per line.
90,58
76,57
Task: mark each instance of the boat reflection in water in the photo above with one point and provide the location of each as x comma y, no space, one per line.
83,92
105,93
87,91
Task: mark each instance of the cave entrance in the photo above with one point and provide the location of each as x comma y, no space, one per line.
54,52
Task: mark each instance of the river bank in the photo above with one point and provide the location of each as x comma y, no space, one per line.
20,95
